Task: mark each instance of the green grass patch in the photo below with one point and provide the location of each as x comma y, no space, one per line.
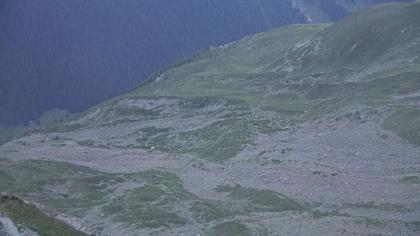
34,219
230,228
219,141
134,111
261,200
405,123
209,210
377,206
152,205
74,190
65,187
412,179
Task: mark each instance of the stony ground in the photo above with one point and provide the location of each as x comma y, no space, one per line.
304,130
347,174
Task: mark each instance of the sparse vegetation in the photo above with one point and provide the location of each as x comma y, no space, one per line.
34,219
230,228
261,200
405,123
412,179
378,206
7,134
298,115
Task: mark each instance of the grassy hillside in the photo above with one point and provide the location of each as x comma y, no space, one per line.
28,216
304,130
370,58
104,48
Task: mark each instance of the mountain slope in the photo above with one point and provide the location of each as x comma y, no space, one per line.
305,130
332,10
30,220
72,55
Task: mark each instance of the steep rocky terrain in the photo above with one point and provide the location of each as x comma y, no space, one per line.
302,130
73,54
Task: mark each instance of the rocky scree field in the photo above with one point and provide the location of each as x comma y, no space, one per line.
302,130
